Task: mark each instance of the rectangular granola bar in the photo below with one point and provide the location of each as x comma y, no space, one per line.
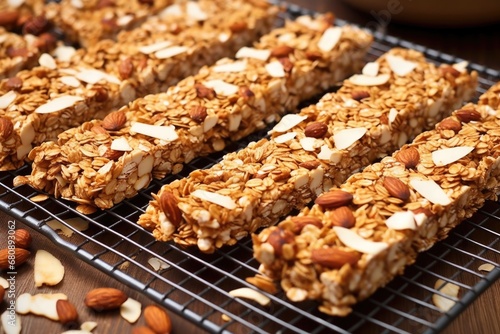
373,114
360,235
157,134
112,74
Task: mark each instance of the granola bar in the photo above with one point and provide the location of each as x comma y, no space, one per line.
166,49
360,235
18,52
88,21
370,116
131,70
157,134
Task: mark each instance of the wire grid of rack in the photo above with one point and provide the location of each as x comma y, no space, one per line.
197,285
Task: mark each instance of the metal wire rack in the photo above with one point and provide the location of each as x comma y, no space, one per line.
196,285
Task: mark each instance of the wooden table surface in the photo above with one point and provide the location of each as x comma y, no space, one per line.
480,45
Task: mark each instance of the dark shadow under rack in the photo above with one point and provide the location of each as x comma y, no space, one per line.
196,285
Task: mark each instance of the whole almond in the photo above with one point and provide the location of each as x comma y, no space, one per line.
314,55
20,256
17,52
281,51
408,157
334,199
238,26
311,164
300,221
169,206
204,92
22,238
142,330
36,25
278,238
113,154
46,42
358,95
157,319
67,312
125,68
97,129
8,17
316,130
449,124
333,257
102,299
198,113
6,127
396,188
14,83
343,216
114,121
246,93
467,115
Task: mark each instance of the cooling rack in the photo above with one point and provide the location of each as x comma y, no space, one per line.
196,286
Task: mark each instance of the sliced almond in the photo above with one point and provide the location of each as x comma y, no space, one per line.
163,132
121,144
345,138
393,113
232,67
246,52
158,264
48,269
64,53
3,283
59,103
172,10
107,167
486,267
151,48
353,240
251,294
288,122
70,81
131,310
221,87
308,144
431,191
371,69
15,3
93,76
328,154
7,98
329,39
365,80
209,122
39,198
48,61
281,139
275,69
10,324
446,156
195,12
399,65
88,326
448,289
124,20
171,52
401,220
461,66
222,200
39,304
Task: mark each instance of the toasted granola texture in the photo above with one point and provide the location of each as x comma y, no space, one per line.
369,117
95,81
159,133
339,253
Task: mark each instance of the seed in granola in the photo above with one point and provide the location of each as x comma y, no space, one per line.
114,121
125,68
358,95
238,27
316,130
342,216
334,257
334,199
36,25
449,124
278,238
467,115
198,113
408,157
14,83
204,92
281,51
6,127
396,188
169,206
